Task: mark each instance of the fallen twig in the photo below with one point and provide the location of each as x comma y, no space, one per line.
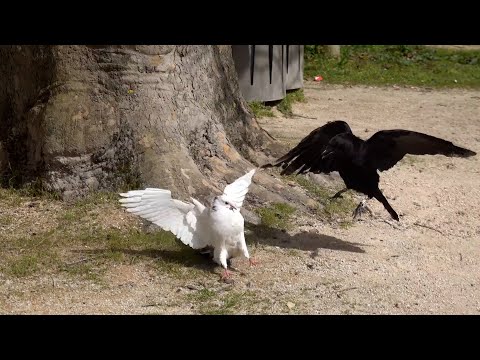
82,260
428,227
151,305
305,117
346,289
273,138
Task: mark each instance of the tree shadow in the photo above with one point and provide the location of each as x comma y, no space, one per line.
306,241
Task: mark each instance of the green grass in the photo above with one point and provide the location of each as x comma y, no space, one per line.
260,110
339,209
276,215
14,197
85,271
78,241
413,65
285,105
202,295
92,200
23,266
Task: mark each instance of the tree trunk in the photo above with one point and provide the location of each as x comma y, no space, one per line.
85,118
334,50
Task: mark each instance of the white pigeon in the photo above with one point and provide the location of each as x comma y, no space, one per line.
220,226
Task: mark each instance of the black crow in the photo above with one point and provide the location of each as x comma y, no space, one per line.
333,147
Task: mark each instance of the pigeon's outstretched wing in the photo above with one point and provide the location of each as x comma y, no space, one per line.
183,219
385,148
306,155
236,191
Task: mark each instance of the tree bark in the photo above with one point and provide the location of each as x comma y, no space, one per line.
334,50
89,118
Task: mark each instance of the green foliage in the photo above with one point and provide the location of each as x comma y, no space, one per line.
395,64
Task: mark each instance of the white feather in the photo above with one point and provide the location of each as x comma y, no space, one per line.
236,191
220,226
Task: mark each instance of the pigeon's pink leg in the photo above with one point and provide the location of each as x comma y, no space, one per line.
226,274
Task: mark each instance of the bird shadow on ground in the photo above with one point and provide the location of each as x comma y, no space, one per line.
185,257
306,241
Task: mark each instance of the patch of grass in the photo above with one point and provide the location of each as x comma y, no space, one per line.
202,295
413,65
75,235
23,266
232,302
330,209
260,110
169,255
36,188
69,216
10,197
16,196
85,271
92,200
276,215
85,209
24,256
285,105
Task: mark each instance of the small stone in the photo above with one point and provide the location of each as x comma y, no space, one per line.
290,305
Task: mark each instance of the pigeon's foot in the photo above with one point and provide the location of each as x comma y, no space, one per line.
226,274
362,208
252,262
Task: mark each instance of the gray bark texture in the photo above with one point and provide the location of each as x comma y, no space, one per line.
90,118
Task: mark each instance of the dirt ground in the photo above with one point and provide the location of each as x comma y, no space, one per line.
427,264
